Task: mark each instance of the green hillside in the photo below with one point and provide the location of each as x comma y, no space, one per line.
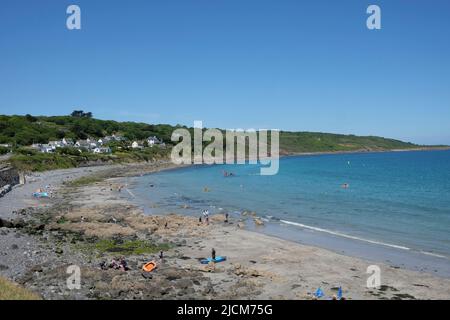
298,142
22,131
26,130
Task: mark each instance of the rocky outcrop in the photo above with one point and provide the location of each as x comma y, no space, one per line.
9,177
5,189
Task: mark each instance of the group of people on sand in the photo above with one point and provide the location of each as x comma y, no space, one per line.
205,217
117,264
122,265
205,214
119,188
45,192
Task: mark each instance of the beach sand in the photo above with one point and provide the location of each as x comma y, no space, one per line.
51,234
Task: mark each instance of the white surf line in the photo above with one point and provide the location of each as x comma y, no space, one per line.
344,235
131,193
433,254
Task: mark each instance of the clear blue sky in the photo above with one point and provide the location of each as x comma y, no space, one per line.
287,64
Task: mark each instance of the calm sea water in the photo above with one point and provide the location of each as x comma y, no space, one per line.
395,200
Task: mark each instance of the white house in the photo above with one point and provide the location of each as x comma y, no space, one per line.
45,148
117,138
83,144
55,144
153,140
67,142
102,150
135,145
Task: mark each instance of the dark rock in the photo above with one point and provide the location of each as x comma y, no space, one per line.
19,223
36,268
385,288
3,267
164,291
14,247
335,288
209,289
403,296
5,223
173,275
182,293
147,275
183,284
39,227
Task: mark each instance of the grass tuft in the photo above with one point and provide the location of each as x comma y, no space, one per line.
12,291
84,181
126,247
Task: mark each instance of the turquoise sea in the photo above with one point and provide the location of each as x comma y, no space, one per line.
396,207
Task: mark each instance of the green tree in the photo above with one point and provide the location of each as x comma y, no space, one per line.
30,118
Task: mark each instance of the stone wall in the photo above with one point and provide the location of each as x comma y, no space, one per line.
8,176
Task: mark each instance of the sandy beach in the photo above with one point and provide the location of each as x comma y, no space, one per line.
89,222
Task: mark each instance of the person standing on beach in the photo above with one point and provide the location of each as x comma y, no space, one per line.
226,217
213,254
206,216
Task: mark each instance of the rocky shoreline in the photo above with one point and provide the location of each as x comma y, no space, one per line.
89,221
71,228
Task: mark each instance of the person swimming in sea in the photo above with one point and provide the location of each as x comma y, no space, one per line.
228,174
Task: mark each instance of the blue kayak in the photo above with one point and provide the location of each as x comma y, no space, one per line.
217,259
40,195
